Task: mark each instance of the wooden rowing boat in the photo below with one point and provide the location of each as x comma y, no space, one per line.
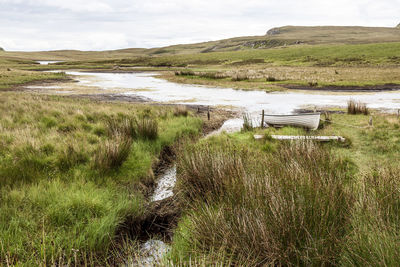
306,120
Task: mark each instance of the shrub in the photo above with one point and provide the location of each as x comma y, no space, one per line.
271,79
357,108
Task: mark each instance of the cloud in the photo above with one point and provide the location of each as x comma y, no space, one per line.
113,24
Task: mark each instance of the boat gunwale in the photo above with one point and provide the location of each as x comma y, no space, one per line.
290,115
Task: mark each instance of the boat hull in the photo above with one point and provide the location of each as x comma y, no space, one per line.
308,120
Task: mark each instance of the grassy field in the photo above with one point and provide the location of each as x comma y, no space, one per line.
289,57
72,171
12,73
263,202
361,66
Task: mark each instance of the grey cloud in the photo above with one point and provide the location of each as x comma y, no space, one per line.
113,24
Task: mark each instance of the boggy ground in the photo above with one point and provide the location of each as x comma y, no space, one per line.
264,202
73,170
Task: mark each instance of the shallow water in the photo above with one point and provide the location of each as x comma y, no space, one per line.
252,102
148,85
165,185
47,62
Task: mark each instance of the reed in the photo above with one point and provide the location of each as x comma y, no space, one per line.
355,108
247,122
288,207
375,236
181,111
111,154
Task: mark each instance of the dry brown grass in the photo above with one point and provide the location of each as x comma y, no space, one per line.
355,108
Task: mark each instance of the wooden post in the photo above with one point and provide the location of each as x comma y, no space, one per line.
398,113
262,119
370,121
208,113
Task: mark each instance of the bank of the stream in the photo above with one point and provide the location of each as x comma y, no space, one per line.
73,171
264,202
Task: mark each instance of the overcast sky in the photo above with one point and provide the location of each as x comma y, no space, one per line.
112,24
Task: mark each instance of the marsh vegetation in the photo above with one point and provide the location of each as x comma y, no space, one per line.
254,203
72,172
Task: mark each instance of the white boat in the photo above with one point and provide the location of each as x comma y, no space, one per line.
306,120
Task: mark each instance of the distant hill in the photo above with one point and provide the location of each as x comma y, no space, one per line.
281,36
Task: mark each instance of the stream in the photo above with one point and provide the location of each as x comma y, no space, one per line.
148,86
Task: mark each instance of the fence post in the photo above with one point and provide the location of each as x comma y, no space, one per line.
398,113
370,121
262,119
208,113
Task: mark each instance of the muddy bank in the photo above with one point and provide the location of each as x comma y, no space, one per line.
112,97
154,228
347,89
23,86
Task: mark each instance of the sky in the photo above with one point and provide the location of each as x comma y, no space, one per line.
38,25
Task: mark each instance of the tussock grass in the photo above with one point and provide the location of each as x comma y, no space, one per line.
237,77
112,153
55,208
247,122
147,128
355,108
288,207
133,127
181,111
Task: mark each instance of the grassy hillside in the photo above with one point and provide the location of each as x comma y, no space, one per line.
283,36
285,57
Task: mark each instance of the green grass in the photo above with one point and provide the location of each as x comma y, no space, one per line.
56,204
304,55
11,73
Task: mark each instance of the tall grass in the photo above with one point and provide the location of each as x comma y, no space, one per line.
54,209
375,239
289,207
354,108
247,122
132,127
112,153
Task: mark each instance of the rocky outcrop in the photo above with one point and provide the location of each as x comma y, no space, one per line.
398,25
274,31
